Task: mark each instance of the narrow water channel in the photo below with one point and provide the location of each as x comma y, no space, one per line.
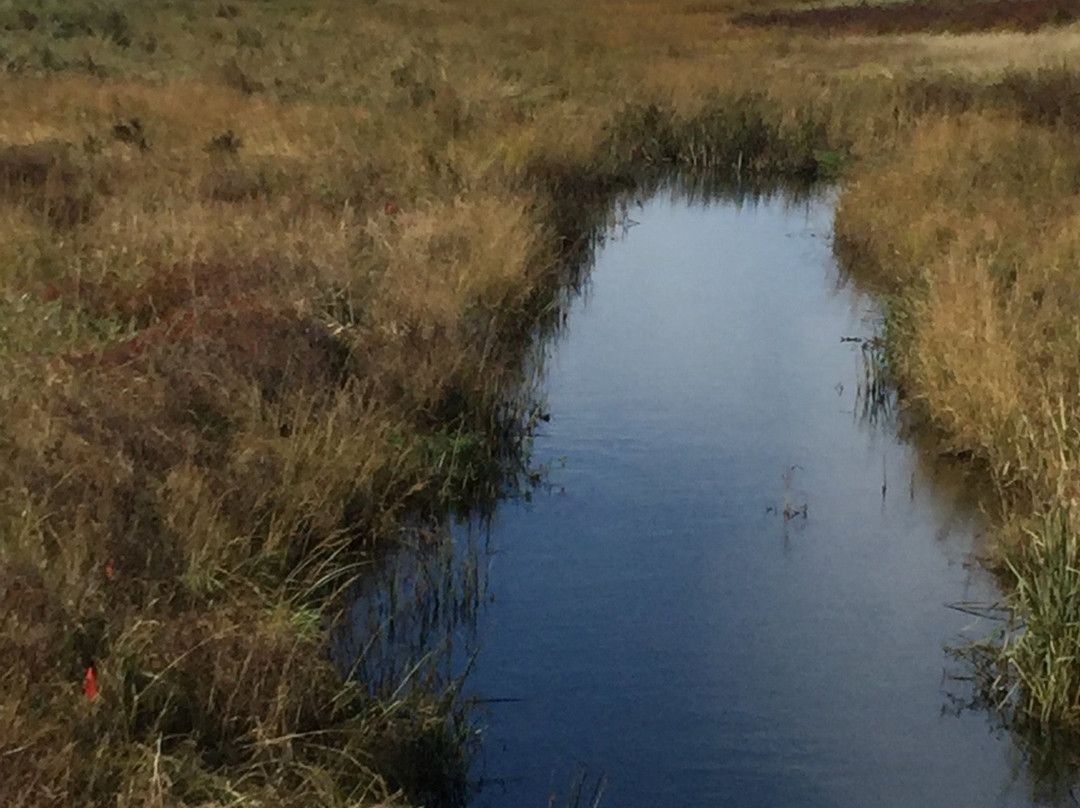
656,617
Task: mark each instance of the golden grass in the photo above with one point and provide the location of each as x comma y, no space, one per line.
981,259
267,276
988,56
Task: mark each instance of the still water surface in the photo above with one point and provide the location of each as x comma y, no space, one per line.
656,618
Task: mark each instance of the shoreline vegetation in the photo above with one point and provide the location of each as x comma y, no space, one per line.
270,276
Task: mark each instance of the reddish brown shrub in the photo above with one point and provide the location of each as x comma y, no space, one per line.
933,16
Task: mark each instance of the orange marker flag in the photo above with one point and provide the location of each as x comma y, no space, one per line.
89,685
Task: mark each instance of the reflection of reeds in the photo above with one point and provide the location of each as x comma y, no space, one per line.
409,636
875,393
1024,672
1045,599
1048,754
788,509
582,793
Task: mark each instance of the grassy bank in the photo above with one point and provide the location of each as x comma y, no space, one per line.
969,228
269,274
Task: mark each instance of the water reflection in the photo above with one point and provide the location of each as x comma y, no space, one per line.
670,616
734,584
414,617
1045,757
409,637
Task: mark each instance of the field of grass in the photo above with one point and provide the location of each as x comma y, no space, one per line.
270,273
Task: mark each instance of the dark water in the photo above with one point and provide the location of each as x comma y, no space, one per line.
656,618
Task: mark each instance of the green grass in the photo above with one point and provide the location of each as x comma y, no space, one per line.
1035,658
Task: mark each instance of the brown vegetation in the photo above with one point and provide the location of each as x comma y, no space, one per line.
268,273
921,16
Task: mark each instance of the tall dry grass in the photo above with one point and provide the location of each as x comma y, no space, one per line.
268,277
266,300
969,228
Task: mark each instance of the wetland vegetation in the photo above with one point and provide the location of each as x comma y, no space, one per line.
269,275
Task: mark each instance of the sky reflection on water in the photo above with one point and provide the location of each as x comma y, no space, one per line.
657,619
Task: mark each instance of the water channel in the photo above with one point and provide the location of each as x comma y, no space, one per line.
657,617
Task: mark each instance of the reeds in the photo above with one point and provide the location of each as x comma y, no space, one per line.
1025,672
270,276
1040,654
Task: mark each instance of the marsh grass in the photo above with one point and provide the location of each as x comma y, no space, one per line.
247,350
875,394
1024,672
977,263
586,791
270,276
1042,651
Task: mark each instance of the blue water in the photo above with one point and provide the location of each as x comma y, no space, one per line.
655,617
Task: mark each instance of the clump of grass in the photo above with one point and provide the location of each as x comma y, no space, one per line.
47,178
971,318
1025,672
739,136
1039,655
131,131
228,142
